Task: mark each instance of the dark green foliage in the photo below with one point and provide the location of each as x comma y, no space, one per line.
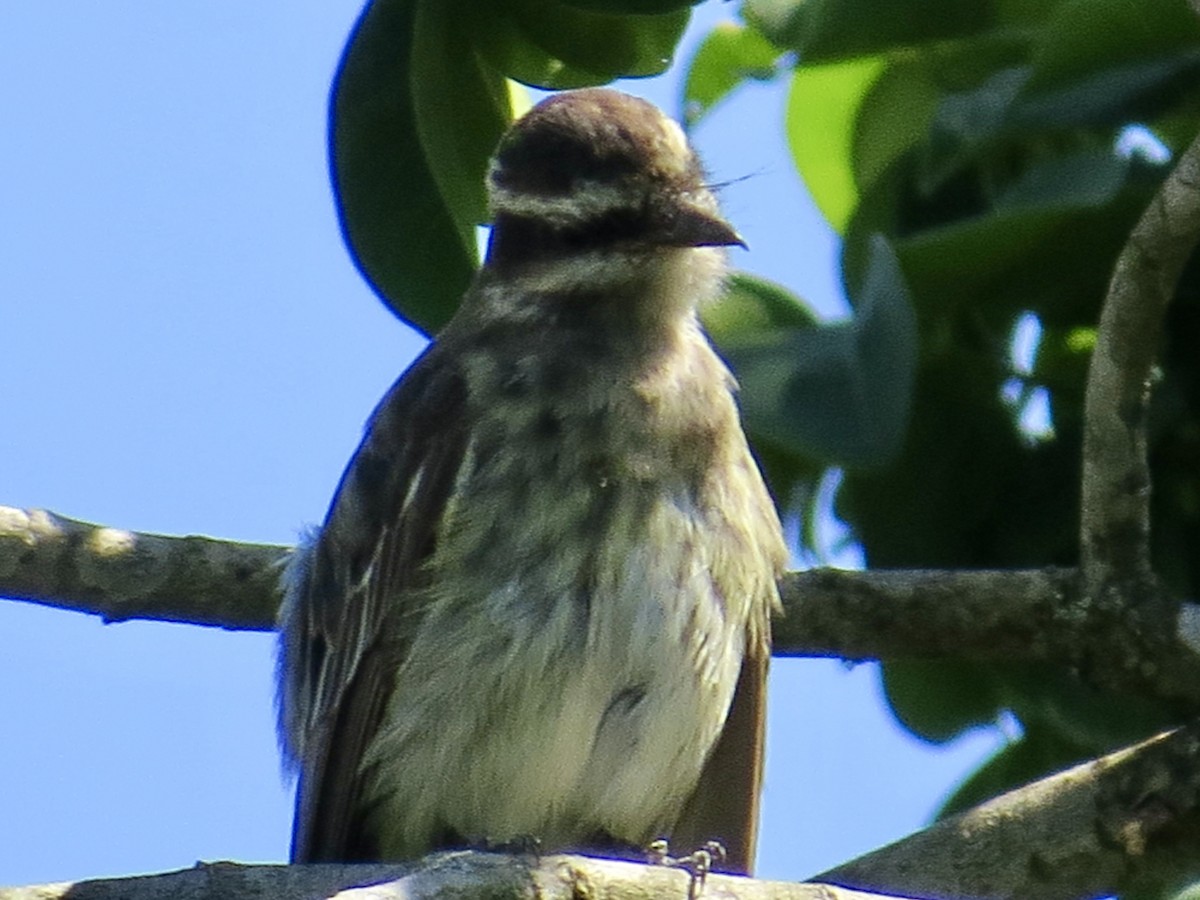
837,391
985,141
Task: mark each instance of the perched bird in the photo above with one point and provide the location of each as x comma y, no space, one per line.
539,607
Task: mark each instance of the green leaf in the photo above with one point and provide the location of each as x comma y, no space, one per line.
1048,243
968,121
729,54
1061,210
401,230
827,30
822,111
1112,62
793,479
501,40
1085,37
633,7
937,504
837,392
1083,180
748,308
1051,701
753,305
1045,240
892,116
560,45
945,102
1064,722
938,700
462,109
1114,96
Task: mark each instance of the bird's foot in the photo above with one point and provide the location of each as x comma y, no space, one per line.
698,863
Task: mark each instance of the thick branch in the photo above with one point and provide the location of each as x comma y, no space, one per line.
1128,820
118,575
452,876
1115,512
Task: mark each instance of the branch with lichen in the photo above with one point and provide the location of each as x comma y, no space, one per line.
118,575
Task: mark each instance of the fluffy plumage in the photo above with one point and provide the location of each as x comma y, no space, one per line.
539,605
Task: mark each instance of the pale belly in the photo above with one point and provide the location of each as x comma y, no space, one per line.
558,712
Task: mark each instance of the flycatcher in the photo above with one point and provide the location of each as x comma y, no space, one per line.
539,606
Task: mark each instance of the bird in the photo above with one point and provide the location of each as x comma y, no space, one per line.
539,606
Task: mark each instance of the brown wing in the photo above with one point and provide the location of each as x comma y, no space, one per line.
724,806
366,571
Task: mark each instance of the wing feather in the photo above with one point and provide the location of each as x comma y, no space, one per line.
366,568
724,805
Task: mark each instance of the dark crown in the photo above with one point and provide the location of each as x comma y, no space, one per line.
591,169
597,136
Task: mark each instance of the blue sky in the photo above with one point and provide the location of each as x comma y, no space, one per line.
188,349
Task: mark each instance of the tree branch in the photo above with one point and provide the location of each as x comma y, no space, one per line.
1127,821
1028,615
452,876
1039,615
882,613
119,575
1115,510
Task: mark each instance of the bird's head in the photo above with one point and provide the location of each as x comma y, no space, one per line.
596,172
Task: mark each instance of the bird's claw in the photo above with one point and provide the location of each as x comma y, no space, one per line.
698,863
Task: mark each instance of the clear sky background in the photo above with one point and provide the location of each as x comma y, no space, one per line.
187,348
